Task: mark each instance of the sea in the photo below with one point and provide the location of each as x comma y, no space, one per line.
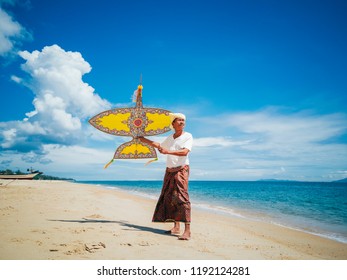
319,208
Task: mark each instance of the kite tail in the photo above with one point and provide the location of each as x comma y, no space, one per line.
109,163
153,160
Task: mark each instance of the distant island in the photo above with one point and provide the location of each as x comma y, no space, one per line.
341,181
277,180
40,176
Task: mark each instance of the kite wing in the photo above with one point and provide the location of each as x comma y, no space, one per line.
134,122
135,149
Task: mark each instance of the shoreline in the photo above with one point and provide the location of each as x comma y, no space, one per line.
62,220
247,214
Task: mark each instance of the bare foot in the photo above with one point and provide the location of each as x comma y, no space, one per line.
184,236
173,231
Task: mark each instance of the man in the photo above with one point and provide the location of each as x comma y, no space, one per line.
174,204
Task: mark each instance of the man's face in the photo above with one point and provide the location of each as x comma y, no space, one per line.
178,123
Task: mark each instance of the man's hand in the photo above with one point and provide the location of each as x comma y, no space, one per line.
149,142
163,150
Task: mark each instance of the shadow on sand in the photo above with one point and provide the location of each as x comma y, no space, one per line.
121,223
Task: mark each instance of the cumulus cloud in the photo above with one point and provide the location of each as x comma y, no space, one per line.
11,33
32,157
62,101
81,163
271,143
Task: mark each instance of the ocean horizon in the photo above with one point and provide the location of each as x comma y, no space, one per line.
318,208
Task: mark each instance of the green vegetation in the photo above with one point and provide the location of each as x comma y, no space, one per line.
38,177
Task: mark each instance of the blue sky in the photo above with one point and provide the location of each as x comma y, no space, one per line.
263,85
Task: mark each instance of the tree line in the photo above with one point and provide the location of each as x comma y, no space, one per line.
38,177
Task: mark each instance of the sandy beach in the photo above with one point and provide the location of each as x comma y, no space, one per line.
43,220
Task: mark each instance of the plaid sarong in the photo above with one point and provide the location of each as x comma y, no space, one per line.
173,203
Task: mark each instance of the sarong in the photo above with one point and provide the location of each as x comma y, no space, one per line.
173,203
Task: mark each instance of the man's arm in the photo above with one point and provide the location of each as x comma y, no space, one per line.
150,142
180,153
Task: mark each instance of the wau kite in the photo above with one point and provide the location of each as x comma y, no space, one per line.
134,122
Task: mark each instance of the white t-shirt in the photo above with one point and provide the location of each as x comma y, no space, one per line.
171,144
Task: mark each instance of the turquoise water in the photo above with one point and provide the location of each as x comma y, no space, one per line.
315,207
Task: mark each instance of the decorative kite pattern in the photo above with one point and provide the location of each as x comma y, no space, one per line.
134,122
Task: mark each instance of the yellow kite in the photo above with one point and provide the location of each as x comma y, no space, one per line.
134,122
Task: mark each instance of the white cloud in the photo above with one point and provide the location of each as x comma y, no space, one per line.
11,33
8,136
218,141
271,144
62,101
300,127
16,79
59,73
82,163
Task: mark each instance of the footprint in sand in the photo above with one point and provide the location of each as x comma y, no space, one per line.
7,208
77,231
146,243
91,248
18,240
38,231
126,244
94,216
205,250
